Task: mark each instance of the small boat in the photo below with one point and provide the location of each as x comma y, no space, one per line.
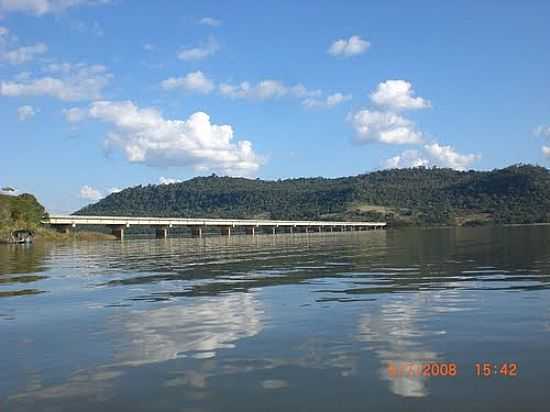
20,236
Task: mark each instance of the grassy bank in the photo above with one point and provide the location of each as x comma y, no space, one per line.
24,212
47,234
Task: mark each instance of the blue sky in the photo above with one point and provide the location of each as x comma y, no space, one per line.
100,95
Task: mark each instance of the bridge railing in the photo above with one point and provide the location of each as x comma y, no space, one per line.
119,223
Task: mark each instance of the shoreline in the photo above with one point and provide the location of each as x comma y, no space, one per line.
43,235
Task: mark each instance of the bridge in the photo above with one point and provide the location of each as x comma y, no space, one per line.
198,226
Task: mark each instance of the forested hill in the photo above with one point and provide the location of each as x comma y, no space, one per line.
19,212
516,194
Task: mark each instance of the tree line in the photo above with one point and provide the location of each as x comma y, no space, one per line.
516,194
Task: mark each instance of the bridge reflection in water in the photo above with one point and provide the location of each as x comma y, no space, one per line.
198,226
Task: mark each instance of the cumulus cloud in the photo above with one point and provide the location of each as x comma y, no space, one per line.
265,90
398,95
201,52
145,136
75,114
391,127
546,151
210,21
327,103
89,193
64,81
24,54
384,127
93,28
447,156
25,112
542,131
191,82
168,180
409,158
12,53
432,155
351,47
40,7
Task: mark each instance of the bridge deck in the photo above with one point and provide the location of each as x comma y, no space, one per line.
170,222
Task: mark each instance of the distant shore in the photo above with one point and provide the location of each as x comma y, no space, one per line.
44,234
49,235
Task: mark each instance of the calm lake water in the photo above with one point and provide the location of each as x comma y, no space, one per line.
269,323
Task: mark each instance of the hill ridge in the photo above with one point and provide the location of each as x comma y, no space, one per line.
515,194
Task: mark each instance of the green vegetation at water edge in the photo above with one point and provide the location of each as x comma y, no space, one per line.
24,212
516,194
21,212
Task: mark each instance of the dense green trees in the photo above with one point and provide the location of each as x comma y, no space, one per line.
19,212
517,194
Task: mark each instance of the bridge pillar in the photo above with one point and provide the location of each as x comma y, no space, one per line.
320,229
226,230
118,231
196,231
291,231
161,232
63,228
250,230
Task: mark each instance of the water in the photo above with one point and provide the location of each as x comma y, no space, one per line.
304,322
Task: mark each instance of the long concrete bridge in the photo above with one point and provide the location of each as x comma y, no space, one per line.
64,223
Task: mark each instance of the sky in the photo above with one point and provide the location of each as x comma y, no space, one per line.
100,95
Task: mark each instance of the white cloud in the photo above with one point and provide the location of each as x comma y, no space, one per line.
148,47
384,127
12,53
25,112
9,191
398,95
23,54
66,82
352,47
300,91
75,114
546,151
409,158
198,53
210,21
265,90
327,103
192,82
542,131
168,180
40,7
446,156
146,137
114,190
89,193
93,28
